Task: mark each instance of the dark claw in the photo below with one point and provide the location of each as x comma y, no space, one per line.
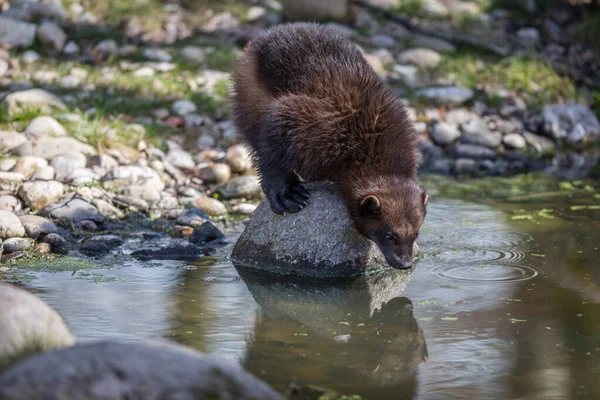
291,205
276,204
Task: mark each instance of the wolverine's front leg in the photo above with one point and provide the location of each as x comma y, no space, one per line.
281,185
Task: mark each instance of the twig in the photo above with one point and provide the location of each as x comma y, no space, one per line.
441,34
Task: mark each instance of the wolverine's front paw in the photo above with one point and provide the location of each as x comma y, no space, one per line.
290,198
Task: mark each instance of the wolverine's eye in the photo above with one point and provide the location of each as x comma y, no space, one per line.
390,237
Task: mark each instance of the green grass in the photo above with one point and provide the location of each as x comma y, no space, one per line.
532,77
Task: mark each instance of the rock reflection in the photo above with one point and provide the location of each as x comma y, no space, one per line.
355,337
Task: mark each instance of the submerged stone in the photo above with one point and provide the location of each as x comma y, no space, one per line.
318,241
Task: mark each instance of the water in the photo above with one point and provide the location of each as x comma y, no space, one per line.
503,304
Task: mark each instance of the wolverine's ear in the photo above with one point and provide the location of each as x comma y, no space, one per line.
425,198
370,205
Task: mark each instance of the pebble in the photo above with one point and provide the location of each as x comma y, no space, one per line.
445,133
70,210
10,226
71,48
184,107
70,82
40,194
383,40
514,140
421,57
65,164
240,186
215,173
243,209
10,181
180,159
238,158
476,132
45,126
36,226
205,233
17,33
212,207
10,203
30,56
474,151
446,94
32,98
528,37
107,47
86,225
157,54
27,165
143,72
131,201
193,54
58,244
52,35
42,248
193,217
15,244
10,140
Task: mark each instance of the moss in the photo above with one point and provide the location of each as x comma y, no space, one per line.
50,263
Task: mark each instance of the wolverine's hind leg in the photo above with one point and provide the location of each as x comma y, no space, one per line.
280,183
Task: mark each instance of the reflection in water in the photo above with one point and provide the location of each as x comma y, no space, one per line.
336,334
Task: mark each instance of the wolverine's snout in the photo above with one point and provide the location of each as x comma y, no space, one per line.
399,261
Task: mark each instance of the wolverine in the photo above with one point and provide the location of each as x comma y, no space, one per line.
311,108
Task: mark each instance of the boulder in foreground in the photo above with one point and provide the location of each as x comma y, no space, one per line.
319,241
143,370
27,326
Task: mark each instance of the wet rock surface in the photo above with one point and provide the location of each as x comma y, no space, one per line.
145,369
292,245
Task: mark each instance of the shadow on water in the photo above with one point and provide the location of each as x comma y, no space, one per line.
334,335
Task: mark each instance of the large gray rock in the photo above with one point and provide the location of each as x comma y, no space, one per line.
71,209
32,98
145,370
573,122
16,33
10,226
27,326
64,164
318,241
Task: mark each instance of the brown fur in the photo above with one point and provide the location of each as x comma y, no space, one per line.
311,108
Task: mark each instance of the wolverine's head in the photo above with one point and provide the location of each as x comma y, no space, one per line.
391,214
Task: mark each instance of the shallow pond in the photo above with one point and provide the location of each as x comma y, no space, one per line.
504,303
